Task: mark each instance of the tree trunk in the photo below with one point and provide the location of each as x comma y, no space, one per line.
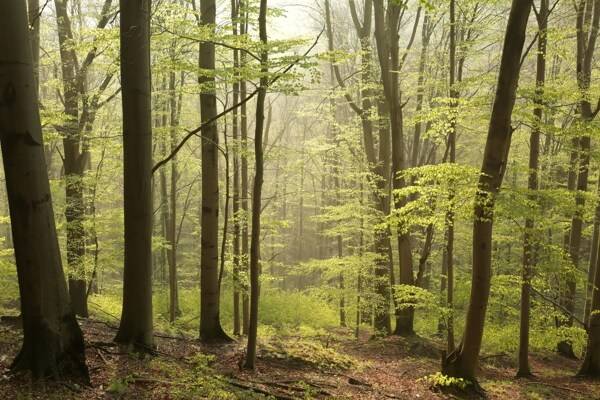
171,226
591,360
586,44
210,324
52,340
245,193
462,363
236,179
135,330
257,193
387,20
529,257
73,163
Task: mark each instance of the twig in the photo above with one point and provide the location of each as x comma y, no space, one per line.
294,387
228,110
262,391
101,355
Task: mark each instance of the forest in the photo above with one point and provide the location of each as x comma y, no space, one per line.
252,199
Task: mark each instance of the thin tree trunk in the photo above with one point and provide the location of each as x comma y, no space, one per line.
257,193
236,180
171,226
591,360
529,257
586,44
245,193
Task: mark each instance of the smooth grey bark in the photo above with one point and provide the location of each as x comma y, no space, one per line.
52,340
136,330
210,324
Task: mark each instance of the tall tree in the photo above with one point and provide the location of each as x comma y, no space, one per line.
52,340
588,23
135,330
257,193
80,114
591,360
532,184
210,324
387,23
377,156
462,363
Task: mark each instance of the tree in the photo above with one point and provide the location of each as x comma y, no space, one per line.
387,23
591,360
210,324
588,13
532,185
80,112
52,340
257,193
462,363
136,330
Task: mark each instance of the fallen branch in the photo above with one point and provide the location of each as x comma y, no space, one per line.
101,356
262,391
296,388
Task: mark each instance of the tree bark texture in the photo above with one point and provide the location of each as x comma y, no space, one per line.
210,324
135,330
52,340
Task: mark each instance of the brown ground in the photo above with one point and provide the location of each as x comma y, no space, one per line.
336,366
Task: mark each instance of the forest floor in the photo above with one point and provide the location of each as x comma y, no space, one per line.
334,365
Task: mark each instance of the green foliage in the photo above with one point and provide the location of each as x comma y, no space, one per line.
120,385
319,355
440,380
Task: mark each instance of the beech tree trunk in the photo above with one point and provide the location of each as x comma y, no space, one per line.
529,257
135,330
387,22
210,324
591,360
256,195
236,179
462,363
378,158
586,43
244,192
52,340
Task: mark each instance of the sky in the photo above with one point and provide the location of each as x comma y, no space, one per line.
298,21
